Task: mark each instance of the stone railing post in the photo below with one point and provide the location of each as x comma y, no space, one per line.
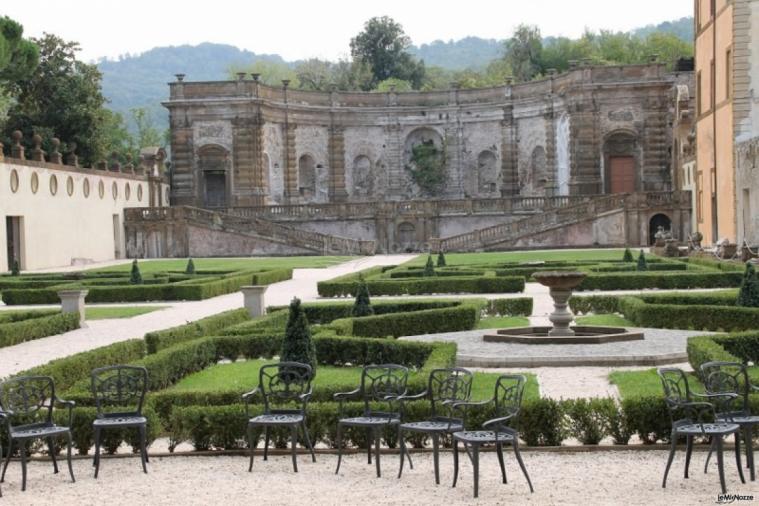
254,300
72,301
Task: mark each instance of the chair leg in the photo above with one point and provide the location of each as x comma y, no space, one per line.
402,443
339,446
408,453
476,466
377,449
688,452
669,459
142,448
521,462
51,449
266,443
712,446
251,446
22,448
436,456
68,456
308,441
7,460
738,455
499,451
748,431
721,464
369,437
97,452
293,451
455,462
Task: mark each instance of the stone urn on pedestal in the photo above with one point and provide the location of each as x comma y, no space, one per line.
560,285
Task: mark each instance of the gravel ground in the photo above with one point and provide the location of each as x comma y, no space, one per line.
603,477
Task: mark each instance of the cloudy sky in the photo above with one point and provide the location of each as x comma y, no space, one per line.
299,29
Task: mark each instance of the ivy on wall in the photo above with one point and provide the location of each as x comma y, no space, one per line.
427,167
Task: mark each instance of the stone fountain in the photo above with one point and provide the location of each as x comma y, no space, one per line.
561,285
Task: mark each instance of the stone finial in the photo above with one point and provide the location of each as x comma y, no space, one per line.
115,165
129,167
285,83
37,154
180,77
140,167
55,155
71,158
587,62
392,88
573,64
255,75
17,150
101,165
551,72
241,76
455,85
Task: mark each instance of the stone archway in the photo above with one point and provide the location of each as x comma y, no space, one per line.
433,140
656,221
621,162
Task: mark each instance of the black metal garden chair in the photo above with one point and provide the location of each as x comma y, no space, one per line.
31,400
732,378
380,384
444,387
507,402
695,418
281,385
119,393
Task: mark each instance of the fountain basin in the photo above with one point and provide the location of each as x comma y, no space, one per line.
583,334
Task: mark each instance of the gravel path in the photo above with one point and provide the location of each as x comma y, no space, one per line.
600,477
102,332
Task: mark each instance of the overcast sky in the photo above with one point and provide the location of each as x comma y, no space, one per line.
299,29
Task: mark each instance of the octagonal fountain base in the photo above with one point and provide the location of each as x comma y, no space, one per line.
582,335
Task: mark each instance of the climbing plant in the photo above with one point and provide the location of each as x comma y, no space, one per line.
427,167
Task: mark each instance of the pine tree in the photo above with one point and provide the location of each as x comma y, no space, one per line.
748,296
362,306
429,268
15,270
190,269
298,345
642,265
628,256
440,259
136,277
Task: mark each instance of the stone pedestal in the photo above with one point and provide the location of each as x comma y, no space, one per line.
254,300
561,316
72,301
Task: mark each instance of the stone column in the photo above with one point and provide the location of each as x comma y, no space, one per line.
254,300
72,301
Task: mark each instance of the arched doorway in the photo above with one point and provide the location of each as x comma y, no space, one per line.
406,237
658,220
620,163
212,161
307,177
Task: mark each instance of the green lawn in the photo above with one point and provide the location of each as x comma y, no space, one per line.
104,313
503,322
613,320
243,376
645,383
231,264
523,256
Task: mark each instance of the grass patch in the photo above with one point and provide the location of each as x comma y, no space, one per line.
613,320
646,383
231,264
503,322
105,313
524,256
243,376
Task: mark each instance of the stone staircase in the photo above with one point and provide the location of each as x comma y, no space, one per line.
506,235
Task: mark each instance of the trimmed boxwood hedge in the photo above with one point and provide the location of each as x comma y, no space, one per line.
318,313
422,286
35,326
161,339
664,280
519,306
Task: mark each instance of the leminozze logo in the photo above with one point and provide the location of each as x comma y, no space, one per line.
731,498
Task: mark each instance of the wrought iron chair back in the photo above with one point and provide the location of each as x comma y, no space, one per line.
728,378
679,398
119,389
383,383
284,383
28,399
448,386
507,398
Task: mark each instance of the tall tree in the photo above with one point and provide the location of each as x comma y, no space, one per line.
383,45
18,59
62,98
523,52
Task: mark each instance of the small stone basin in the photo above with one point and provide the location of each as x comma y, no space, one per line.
560,280
582,334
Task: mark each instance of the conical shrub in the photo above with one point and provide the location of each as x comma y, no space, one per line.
429,267
190,269
642,265
135,278
298,345
628,256
15,269
362,305
748,296
441,259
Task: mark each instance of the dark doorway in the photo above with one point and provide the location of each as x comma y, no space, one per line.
13,235
658,220
215,189
622,174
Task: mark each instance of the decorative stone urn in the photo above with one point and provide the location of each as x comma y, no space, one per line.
561,284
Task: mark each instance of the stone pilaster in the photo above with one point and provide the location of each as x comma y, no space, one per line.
184,182
509,152
585,157
337,190
291,164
